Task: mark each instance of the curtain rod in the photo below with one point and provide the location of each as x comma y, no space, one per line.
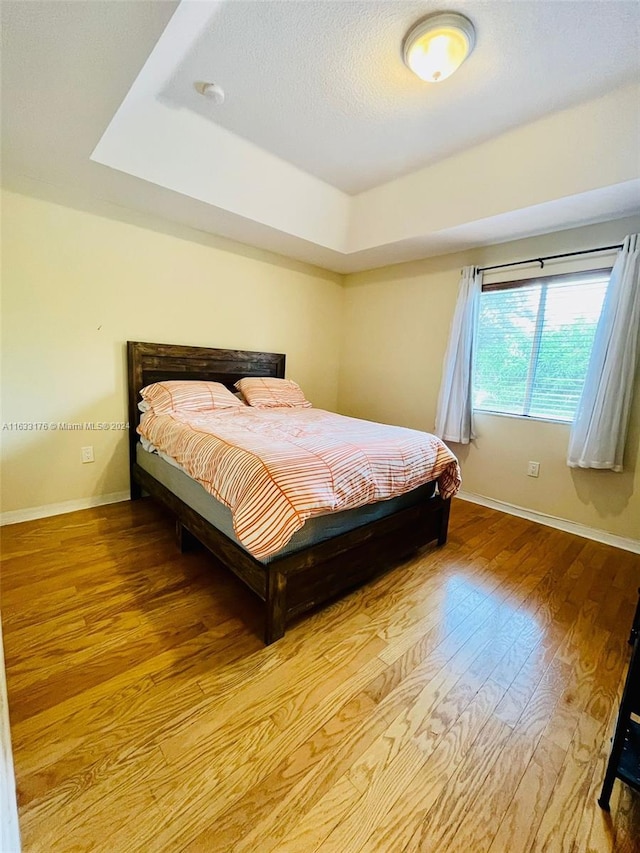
550,258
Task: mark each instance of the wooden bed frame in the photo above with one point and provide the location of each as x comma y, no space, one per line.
295,583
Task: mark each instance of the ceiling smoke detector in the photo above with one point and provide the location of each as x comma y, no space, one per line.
211,91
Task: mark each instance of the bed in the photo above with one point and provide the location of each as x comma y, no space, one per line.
298,579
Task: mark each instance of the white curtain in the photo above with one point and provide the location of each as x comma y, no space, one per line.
599,430
454,416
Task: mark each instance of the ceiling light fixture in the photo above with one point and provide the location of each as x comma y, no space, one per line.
437,46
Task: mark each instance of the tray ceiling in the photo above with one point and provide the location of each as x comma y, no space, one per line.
327,148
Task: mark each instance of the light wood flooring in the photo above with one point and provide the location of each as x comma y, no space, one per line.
462,702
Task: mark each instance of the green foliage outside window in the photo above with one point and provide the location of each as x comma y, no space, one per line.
533,345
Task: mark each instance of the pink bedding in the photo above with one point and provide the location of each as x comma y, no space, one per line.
275,468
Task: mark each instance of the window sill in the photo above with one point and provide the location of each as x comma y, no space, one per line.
522,417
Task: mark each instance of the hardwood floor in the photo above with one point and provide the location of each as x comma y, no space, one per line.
462,702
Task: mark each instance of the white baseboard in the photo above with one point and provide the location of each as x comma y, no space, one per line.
31,513
17,515
552,521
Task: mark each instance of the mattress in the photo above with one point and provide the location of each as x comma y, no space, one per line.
276,468
315,530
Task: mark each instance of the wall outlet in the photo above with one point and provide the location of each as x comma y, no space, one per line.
87,454
533,469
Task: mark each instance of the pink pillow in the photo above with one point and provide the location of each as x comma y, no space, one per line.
184,395
267,393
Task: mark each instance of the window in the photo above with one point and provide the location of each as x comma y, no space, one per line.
533,344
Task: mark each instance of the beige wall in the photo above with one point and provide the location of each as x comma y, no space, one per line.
396,328
76,286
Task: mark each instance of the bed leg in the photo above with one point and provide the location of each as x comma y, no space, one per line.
444,522
185,540
136,490
275,606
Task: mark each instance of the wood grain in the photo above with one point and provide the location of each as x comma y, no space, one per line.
464,703
301,581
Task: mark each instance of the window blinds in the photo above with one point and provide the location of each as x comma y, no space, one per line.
533,344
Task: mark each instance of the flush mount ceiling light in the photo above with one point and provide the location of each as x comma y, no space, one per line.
437,46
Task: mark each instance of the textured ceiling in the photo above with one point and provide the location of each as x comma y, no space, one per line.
66,66
322,85
538,131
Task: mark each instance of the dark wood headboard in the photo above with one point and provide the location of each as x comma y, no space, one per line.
149,363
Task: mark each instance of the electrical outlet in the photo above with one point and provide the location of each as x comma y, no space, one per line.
533,469
87,454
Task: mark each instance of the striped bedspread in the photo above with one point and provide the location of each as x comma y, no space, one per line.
276,468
